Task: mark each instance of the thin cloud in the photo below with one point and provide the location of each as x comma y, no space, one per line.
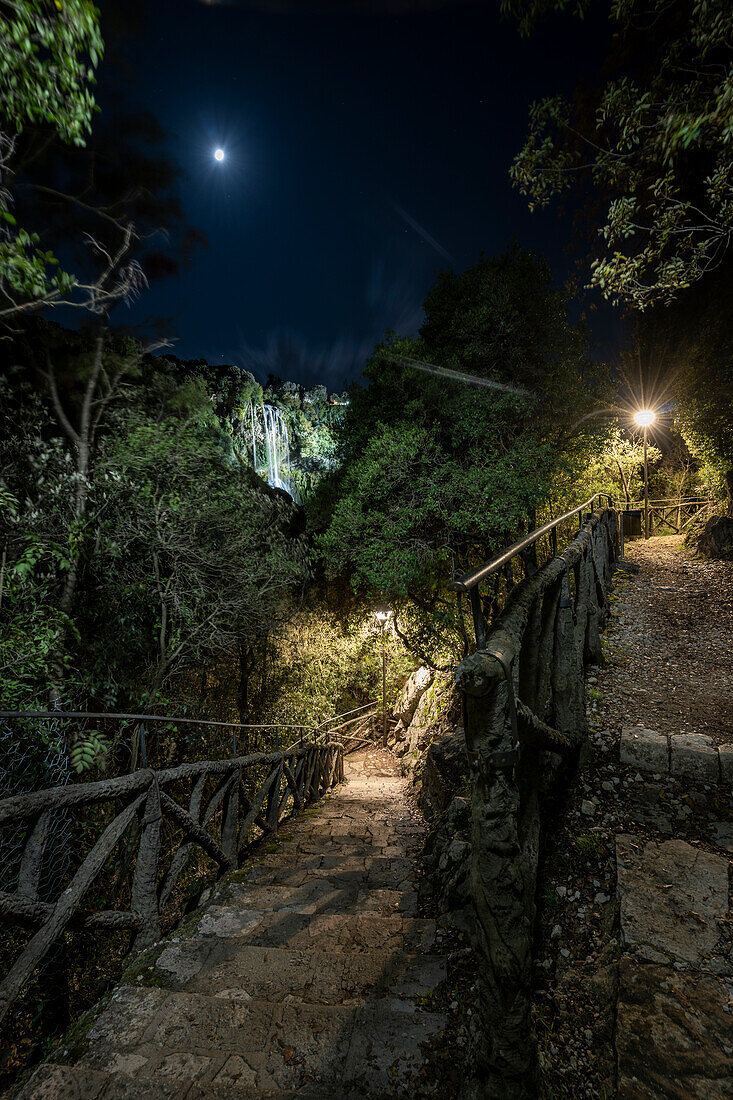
367,7
393,303
423,233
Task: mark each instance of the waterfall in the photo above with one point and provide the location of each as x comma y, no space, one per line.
268,424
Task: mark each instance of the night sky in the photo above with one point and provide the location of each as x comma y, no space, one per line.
367,146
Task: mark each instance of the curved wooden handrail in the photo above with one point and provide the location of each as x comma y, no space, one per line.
524,710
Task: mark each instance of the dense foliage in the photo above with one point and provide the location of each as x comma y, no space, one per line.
48,54
438,473
137,547
652,145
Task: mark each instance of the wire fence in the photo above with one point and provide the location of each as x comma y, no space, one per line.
33,763
33,759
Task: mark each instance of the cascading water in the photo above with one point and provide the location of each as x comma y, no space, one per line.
269,427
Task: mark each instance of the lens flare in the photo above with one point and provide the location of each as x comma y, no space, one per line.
219,154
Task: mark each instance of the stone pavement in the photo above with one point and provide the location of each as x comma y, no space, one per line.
303,975
674,1027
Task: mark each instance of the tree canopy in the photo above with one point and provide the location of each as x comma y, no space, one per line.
652,145
137,545
438,473
48,56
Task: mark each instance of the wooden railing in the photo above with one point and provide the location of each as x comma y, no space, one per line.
160,817
678,513
524,716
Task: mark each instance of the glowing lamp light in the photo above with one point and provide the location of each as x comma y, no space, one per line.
219,154
644,417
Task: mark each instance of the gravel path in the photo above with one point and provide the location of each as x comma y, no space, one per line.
675,632
634,968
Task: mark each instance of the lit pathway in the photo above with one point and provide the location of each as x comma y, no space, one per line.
667,697
302,980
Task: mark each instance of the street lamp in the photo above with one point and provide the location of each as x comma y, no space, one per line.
645,418
383,615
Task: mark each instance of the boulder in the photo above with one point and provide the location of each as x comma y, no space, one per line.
716,541
434,716
396,738
454,853
411,694
445,772
436,701
458,815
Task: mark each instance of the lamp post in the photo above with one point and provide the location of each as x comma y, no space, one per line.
383,616
644,418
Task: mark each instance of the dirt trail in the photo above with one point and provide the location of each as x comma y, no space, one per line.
677,631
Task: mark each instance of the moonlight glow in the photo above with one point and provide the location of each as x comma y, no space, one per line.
219,154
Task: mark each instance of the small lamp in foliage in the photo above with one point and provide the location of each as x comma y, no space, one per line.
645,418
383,615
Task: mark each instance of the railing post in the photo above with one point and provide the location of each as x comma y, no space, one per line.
143,746
502,880
144,898
478,617
272,812
568,695
230,818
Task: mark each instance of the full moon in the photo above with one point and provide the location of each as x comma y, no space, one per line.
219,154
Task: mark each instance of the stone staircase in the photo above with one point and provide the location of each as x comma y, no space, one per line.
302,976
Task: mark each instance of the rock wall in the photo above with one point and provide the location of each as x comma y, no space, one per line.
428,738
427,708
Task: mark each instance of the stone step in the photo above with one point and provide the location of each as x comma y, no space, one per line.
320,895
282,975
328,932
213,1042
674,902
299,978
348,844
673,1013
691,756
56,1082
376,872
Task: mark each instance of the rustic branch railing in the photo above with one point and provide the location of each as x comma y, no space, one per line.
675,512
214,806
524,699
